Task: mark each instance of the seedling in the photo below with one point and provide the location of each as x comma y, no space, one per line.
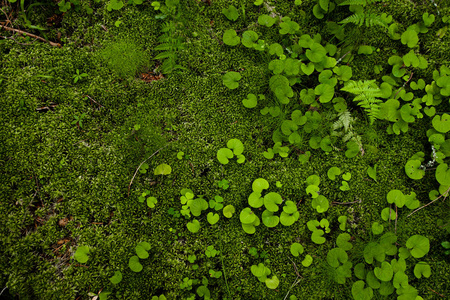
193,226
163,169
79,120
212,218
160,297
224,154
117,278
228,211
151,202
143,170
78,76
231,13
215,274
231,80
192,258
216,203
446,246
372,172
173,212
224,184
81,255
211,252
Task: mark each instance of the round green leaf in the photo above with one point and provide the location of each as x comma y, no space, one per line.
413,170
271,200
223,154
134,264
296,249
236,145
317,53
81,255
212,218
163,169
441,123
307,261
230,38
117,278
289,207
377,228
266,20
141,251
410,38
228,211
247,216
422,268
269,219
249,38
418,245
251,101
230,79
325,92
333,172
342,241
317,237
320,203
385,273
361,293
193,226
272,283
397,197
259,185
443,174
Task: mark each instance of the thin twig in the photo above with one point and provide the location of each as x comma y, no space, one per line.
346,203
436,292
3,290
446,192
396,217
409,79
94,100
223,267
31,35
131,182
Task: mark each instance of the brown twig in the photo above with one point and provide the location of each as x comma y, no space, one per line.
436,292
94,101
446,192
346,203
131,182
30,35
409,79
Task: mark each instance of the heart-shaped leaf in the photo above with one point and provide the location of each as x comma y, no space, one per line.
81,255
228,211
134,264
272,283
296,249
259,185
413,170
193,226
223,154
269,219
342,241
418,245
385,273
251,101
247,216
117,278
320,203
163,169
230,79
230,38
333,172
307,261
212,218
377,228
422,268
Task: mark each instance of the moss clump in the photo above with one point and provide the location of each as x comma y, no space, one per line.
124,58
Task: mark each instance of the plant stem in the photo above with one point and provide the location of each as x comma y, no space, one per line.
223,267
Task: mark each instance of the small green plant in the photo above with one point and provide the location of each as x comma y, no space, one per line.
446,246
317,234
223,184
116,278
81,255
79,76
224,154
79,120
142,253
211,252
261,272
231,80
296,249
231,13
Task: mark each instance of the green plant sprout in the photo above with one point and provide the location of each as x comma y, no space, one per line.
215,274
223,184
81,255
211,252
79,120
117,278
231,80
79,76
224,154
231,13
261,272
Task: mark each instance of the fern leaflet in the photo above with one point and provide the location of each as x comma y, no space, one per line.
369,19
366,92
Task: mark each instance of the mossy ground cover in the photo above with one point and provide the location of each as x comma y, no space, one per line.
67,183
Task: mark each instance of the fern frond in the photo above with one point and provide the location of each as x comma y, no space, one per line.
358,2
366,92
368,19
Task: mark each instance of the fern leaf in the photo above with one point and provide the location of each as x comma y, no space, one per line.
358,2
368,19
166,54
366,92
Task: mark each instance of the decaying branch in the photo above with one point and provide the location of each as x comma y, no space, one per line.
30,35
